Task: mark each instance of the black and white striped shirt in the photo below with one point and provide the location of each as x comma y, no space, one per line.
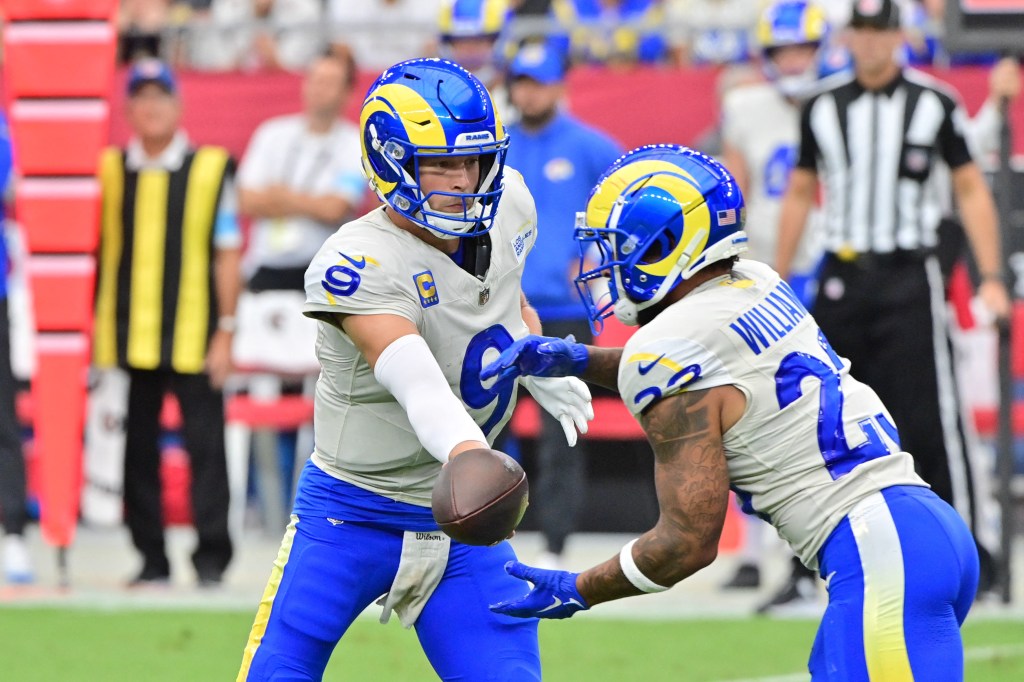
875,151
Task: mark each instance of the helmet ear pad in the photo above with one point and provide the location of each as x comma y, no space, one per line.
377,153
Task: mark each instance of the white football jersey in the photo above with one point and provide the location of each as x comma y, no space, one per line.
812,442
764,127
370,266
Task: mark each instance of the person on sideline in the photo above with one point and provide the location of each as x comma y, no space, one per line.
168,284
875,140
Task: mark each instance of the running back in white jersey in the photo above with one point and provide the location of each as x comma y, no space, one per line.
370,266
764,127
812,442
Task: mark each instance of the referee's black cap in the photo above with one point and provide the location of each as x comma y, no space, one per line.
880,14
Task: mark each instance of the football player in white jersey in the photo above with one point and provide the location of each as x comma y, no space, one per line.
736,387
761,122
411,298
760,136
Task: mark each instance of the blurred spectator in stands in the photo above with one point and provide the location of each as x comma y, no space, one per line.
614,31
729,78
140,23
13,509
299,180
165,303
259,34
561,159
1004,82
710,31
471,36
382,33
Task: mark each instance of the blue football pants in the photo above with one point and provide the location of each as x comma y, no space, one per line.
902,573
327,573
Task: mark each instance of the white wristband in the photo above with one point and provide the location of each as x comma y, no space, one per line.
633,574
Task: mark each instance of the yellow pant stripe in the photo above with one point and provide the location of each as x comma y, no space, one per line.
259,627
885,646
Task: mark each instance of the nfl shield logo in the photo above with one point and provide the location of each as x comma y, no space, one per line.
485,295
917,160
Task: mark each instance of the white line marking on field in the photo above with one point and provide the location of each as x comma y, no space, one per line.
975,653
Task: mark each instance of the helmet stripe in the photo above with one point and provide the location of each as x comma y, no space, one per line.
599,208
419,119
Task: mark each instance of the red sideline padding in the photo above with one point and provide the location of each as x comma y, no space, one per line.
733,531
1017,340
225,108
62,288
58,391
176,489
59,137
284,413
59,214
37,58
24,10
959,293
986,420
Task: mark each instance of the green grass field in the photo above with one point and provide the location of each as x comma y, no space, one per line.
43,644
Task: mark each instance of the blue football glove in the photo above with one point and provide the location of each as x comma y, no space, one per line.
538,356
554,594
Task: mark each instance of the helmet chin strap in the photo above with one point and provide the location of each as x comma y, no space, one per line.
450,224
627,312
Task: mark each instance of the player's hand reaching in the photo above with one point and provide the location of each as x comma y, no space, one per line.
539,356
554,594
567,399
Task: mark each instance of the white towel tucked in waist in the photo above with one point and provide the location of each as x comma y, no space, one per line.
424,559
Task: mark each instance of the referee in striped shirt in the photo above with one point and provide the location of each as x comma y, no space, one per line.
875,139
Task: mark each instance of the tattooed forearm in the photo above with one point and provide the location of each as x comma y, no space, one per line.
692,483
603,367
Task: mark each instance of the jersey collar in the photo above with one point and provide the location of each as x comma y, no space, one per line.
888,89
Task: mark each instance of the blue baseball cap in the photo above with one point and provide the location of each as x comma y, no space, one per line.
543,62
151,71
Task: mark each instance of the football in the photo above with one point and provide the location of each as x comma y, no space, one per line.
480,497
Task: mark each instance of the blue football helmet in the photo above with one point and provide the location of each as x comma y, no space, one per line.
471,35
658,215
791,22
473,19
425,108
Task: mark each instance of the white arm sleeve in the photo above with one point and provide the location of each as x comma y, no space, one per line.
410,372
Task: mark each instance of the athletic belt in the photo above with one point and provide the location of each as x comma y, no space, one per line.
871,260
